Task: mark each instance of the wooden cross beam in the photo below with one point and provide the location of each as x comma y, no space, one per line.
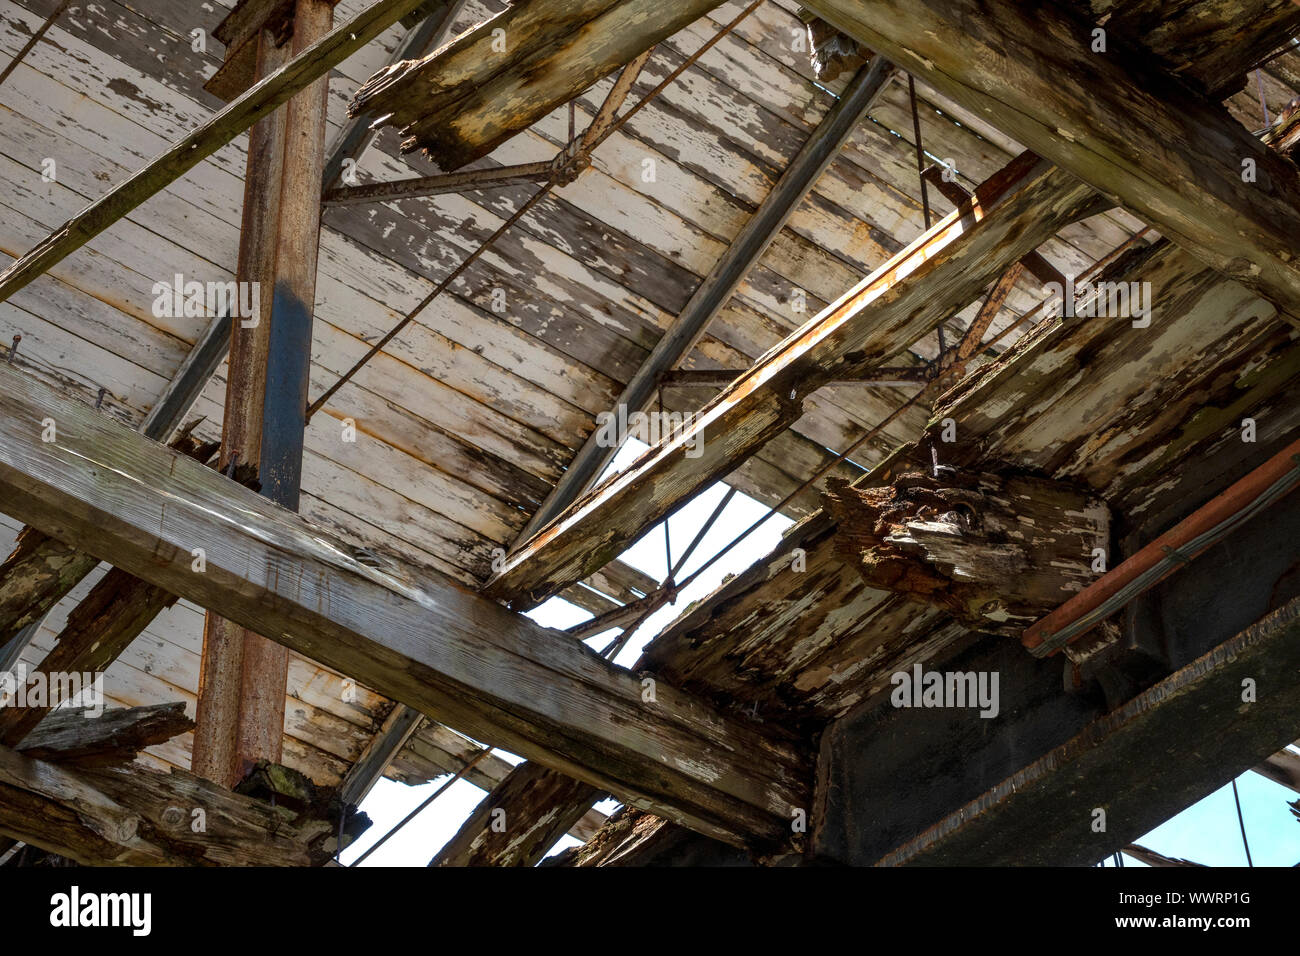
463,100
1015,211
452,654
1175,159
140,817
519,820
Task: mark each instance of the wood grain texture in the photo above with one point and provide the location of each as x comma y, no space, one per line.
453,655
463,100
115,737
1171,157
139,817
520,820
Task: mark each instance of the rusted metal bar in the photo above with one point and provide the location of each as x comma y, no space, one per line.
244,675
1163,556
988,311
420,186
33,40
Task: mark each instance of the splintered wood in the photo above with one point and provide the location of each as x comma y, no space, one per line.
461,101
996,552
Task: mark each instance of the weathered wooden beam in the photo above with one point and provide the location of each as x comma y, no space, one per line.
35,577
204,140
1171,157
718,286
519,821
462,101
399,726
430,30
140,817
1050,803
455,656
99,629
943,270
41,570
70,736
1208,43
995,551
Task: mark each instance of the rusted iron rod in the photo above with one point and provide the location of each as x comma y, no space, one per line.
419,186
1153,563
35,39
720,378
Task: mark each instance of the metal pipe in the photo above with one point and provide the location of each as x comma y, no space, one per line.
1198,531
420,186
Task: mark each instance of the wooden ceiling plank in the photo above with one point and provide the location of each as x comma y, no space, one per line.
202,142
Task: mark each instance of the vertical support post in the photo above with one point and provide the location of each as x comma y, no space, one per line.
243,675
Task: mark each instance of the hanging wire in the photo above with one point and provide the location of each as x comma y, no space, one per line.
1241,821
1263,102
469,765
920,171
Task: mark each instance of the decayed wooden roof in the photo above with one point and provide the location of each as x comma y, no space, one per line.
468,418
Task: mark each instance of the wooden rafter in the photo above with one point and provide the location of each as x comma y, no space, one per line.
906,298
1173,158
519,820
461,101
457,657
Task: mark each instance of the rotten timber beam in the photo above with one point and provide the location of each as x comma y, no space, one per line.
204,140
1173,158
995,551
463,100
140,817
457,657
72,736
99,629
520,820
1015,211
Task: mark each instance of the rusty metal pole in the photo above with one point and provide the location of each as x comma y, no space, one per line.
243,675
